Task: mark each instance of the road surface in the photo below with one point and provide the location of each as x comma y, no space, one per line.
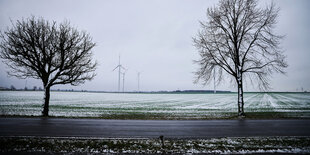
100,128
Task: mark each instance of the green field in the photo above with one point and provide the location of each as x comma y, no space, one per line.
155,106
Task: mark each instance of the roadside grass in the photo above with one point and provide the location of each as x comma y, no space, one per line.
169,116
213,145
249,115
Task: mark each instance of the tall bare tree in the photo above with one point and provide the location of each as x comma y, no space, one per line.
56,54
238,40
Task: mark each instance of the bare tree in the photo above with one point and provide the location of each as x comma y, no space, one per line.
12,87
238,40
56,54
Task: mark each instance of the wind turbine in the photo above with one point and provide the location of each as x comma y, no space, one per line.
214,81
139,81
26,85
119,66
124,73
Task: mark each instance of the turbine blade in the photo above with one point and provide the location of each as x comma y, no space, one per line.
115,67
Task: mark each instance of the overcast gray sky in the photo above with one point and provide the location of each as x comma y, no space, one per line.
155,38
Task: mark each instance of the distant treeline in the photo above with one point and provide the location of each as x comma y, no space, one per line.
192,91
168,92
145,92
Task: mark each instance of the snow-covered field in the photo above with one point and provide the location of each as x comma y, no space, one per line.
87,104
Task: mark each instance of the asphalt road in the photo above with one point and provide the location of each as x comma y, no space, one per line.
59,127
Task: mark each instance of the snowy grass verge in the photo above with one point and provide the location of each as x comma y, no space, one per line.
161,116
240,145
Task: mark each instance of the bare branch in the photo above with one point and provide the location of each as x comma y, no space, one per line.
55,54
238,38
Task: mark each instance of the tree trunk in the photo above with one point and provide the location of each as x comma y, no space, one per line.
46,101
240,98
240,92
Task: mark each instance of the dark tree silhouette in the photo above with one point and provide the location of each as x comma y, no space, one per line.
238,40
56,54
12,87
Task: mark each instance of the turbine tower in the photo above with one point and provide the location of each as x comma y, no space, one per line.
124,73
139,81
26,85
119,66
214,81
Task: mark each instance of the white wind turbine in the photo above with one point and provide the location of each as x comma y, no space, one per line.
139,81
214,81
119,66
124,73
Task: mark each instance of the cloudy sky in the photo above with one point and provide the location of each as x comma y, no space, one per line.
154,37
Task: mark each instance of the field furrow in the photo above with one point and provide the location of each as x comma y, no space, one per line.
148,105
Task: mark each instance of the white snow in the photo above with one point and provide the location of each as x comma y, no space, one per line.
85,104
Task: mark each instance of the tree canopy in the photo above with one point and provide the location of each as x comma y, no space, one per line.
239,39
56,54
